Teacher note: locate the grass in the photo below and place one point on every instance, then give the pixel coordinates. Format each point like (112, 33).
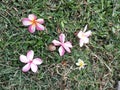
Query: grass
(102, 55)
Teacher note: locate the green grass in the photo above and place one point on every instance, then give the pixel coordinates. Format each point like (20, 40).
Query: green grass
(102, 55)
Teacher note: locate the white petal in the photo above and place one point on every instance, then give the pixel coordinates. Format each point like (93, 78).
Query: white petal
(88, 33)
(37, 61)
(77, 64)
(81, 42)
(61, 51)
(80, 61)
(34, 67)
(32, 17)
(79, 35)
(80, 68)
(85, 28)
(86, 40)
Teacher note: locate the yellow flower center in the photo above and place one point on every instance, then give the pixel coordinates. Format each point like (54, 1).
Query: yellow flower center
(81, 64)
(83, 35)
(34, 22)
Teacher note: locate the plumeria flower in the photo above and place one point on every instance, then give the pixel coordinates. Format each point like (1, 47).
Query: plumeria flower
(33, 23)
(83, 36)
(30, 62)
(80, 64)
(64, 46)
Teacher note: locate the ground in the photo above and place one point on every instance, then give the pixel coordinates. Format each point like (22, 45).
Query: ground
(102, 54)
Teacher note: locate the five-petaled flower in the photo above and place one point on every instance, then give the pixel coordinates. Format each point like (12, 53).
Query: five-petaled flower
(80, 63)
(63, 45)
(31, 63)
(33, 23)
(83, 36)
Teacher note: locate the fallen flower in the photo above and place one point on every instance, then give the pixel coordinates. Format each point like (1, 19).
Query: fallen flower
(33, 23)
(83, 36)
(31, 63)
(63, 45)
(80, 63)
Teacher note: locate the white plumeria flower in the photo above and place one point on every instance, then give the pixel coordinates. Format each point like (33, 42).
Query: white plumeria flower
(83, 36)
(80, 64)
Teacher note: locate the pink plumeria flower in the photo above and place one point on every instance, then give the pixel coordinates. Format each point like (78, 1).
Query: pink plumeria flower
(30, 62)
(84, 36)
(63, 45)
(33, 23)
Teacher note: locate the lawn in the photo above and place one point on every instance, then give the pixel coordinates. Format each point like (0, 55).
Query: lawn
(102, 54)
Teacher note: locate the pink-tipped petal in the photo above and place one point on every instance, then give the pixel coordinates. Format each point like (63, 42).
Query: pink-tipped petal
(41, 21)
(31, 28)
(34, 67)
(67, 49)
(23, 59)
(88, 33)
(61, 51)
(62, 38)
(68, 44)
(26, 22)
(37, 61)
(32, 17)
(40, 27)
(30, 55)
(26, 67)
(81, 42)
(56, 43)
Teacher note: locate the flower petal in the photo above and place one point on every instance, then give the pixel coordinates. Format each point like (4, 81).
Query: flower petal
(32, 28)
(67, 48)
(32, 17)
(23, 59)
(81, 42)
(26, 22)
(80, 68)
(37, 61)
(79, 60)
(77, 64)
(88, 33)
(62, 38)
(85, 28)
(86, 40)
(30, 55)
(26, 67)
(61, 51)
(34, 67)
(68, 44)
(79, 35)
(41, 21)
(40, 27)
(56, 43)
